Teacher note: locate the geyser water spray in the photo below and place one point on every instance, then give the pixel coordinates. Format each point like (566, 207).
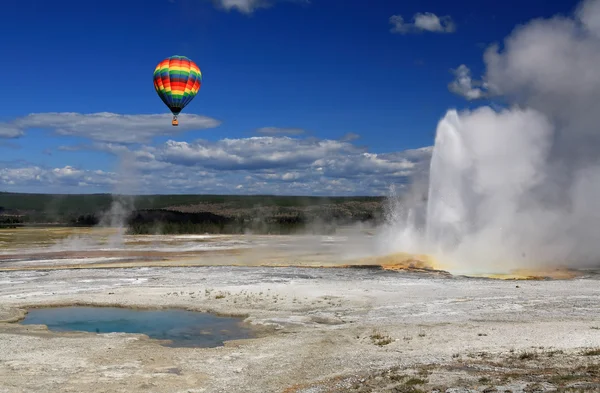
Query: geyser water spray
(517, 187)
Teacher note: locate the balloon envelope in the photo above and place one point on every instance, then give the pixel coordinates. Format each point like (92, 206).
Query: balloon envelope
(177, 80)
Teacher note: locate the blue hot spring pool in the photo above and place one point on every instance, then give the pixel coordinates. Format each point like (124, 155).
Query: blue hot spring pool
(182, 328)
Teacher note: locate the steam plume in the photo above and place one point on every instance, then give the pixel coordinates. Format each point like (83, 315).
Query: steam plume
(520, 187)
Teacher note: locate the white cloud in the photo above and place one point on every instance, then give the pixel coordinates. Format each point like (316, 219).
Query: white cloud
(243, 6)
(281, 165)
(249, 6)
(285, 164)
(425, 21)
(10, 131)
(251, 153)
(431, 22)
(349, 166)
(107, 127)
(280, 131)
(350, 136)
(44, 178)
(274, 163)
(466, 86)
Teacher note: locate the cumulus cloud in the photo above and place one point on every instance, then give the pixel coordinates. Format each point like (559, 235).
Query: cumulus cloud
(425, 21)
(464, 85)
(69, 179)
(350, 136)
(10, 131)
(251, 153)
(280, 131)
(295, 161)
(281, 164)
(249, 6)
(107, 127)
(366, 163)
(243, 6)
(56, 177)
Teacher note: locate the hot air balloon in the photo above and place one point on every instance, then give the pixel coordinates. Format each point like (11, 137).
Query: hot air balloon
(177, 80)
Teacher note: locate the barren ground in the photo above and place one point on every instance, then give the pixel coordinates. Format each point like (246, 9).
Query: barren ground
(318, 329)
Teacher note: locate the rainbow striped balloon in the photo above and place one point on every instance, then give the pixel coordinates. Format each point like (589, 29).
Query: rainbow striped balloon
(177, 80)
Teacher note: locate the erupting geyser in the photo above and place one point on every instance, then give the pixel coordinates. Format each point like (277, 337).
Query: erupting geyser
(518, 187)
(483, 175)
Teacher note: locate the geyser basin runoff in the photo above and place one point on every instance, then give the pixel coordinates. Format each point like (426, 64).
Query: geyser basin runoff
(182, 328)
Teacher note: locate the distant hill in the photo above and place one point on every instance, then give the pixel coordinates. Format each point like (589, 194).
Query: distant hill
(89, 209)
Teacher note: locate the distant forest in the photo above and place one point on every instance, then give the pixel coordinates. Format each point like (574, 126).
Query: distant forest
(149, 214)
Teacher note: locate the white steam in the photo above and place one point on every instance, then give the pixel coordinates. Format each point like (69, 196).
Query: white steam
(520, 187)
(121, 206)
(123, 199)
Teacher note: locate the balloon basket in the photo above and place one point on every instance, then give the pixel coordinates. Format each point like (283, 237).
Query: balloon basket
(175, 122)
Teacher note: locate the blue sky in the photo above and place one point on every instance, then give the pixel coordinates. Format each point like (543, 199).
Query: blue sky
(344, 95)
